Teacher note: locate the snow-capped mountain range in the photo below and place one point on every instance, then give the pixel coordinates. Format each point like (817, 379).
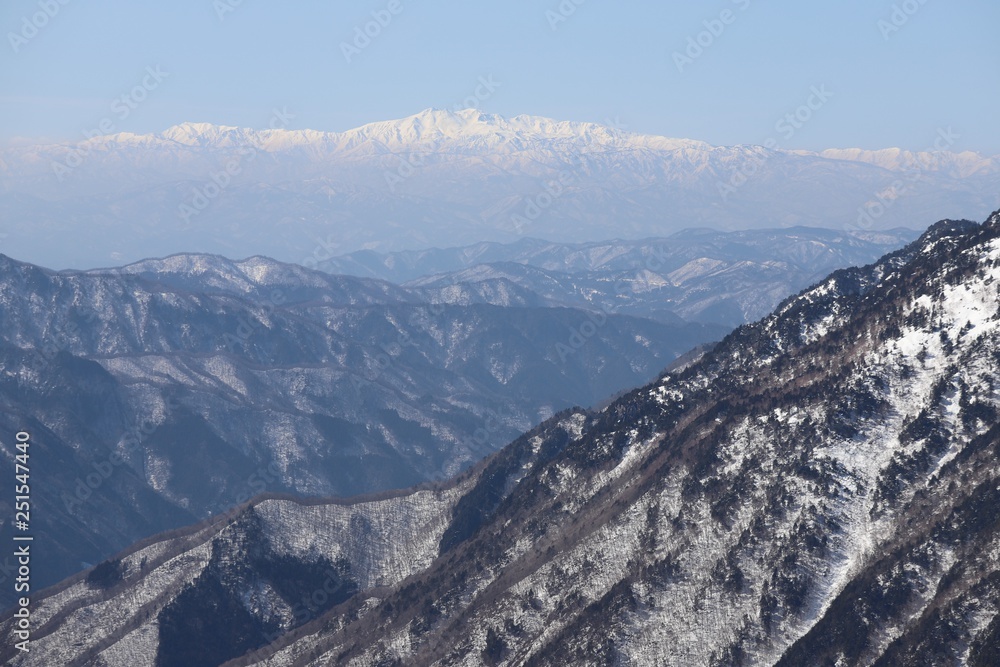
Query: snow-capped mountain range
(472, 132)
(820, 488)
(441, 178)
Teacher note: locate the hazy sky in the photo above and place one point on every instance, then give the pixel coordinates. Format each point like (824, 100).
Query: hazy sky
(892, 73)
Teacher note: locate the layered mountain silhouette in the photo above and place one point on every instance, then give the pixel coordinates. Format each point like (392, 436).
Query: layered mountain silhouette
(170, 390)
(701, 275)
(820, 488)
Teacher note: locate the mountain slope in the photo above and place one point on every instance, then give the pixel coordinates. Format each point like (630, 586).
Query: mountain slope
(727, 278)
(820, 488)
(442, 178)
(824, 250)
(170, 390)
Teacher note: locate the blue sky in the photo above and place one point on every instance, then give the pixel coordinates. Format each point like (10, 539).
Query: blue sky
(932, 65)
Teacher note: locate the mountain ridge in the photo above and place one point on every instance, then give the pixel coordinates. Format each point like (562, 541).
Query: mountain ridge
(443, 178)
(818, 488)
(206, 379)
(437, 124)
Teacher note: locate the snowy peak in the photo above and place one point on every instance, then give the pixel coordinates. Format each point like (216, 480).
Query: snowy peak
(427, 129)
(472, 128)
(433, 125)
(477, 176)
(204, 134)
(258, 276)
(994, 221)
(964, 164)
(522, 143)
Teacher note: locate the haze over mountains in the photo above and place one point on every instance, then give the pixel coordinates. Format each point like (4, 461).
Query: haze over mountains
(442, 178)
(820, 488)
(700, 275)
(215, 379)
(422, 310)
(166, 390)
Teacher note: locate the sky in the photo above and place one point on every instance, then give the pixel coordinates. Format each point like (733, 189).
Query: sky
(862, 73)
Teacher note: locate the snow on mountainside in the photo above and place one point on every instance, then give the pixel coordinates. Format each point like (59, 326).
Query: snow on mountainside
(961, 164)
(473, 130)
(283, 378)
(723, 277)
(431, 129)
(440, 178)
(820, 488)
(823, 249)
(168, 390)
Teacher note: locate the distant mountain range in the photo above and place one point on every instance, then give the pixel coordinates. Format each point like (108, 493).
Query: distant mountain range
(718, 277)
(820, 488)
(442, 178)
